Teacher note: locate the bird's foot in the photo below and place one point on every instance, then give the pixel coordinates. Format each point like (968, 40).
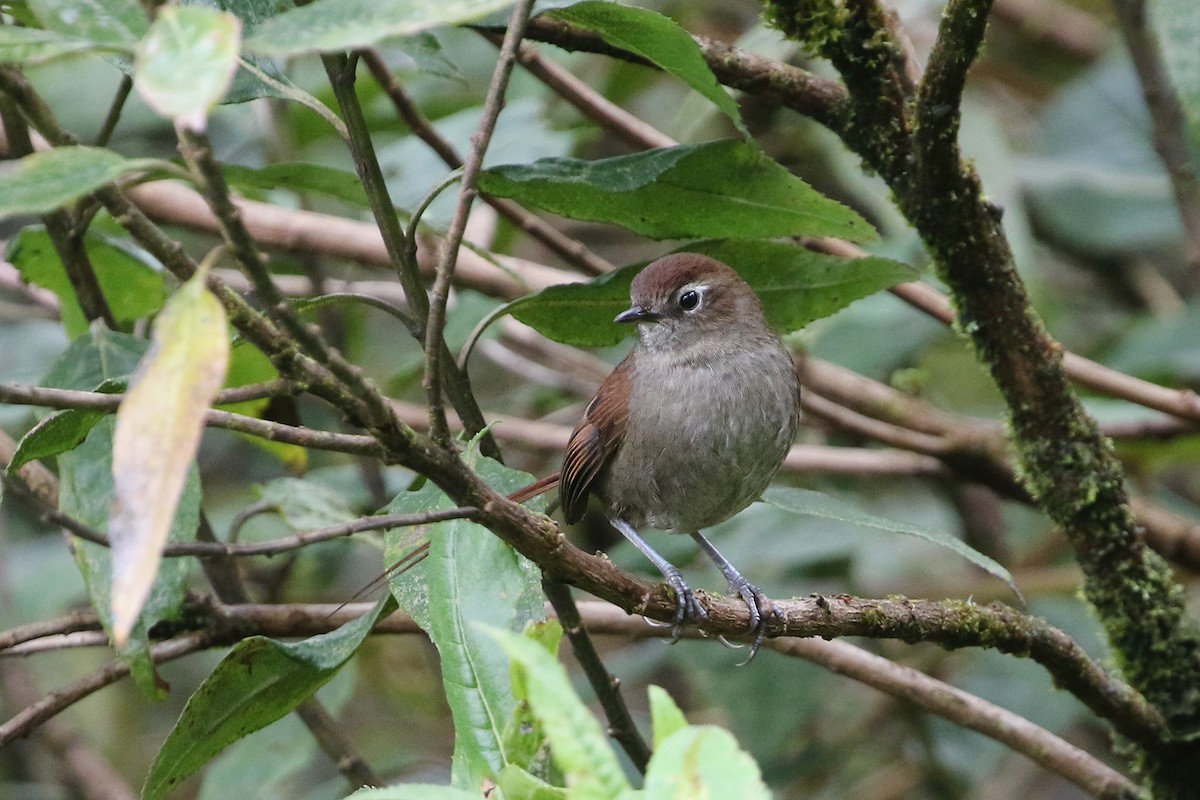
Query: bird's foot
(688, 611)
(762, 612)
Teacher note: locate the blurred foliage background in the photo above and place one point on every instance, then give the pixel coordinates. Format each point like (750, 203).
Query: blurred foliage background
(1055, 123)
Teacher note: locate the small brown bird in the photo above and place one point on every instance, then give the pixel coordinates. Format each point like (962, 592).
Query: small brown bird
(692, 426)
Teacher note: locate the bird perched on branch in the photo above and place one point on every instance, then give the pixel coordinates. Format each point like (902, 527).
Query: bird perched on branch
(692, 426)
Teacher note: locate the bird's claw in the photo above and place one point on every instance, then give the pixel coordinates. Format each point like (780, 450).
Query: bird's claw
(688, 609)
(762, 613)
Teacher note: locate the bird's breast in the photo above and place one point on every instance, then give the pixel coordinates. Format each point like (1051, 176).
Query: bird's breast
(704, 438)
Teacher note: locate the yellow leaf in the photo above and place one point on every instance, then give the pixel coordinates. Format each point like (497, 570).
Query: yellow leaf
(158, 432)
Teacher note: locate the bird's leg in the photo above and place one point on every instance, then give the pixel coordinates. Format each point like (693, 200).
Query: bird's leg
(761, 608)
(689, 608)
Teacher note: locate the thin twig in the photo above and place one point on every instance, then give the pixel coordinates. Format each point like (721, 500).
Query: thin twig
(594, 106)
(823, 99)
(215, 549)
(473, 165)
(30, 717)
(310, 438)
(967, 710)
(114, 111)
(574, 251)
(334, 741)
(341, 72)
(198, 153)
(68, 623)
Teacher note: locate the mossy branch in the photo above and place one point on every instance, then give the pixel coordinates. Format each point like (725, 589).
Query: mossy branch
(1067, 465)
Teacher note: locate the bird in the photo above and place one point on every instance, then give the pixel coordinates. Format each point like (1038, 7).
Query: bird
(691, 427)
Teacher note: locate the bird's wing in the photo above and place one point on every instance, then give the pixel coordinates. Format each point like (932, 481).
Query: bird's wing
(594, 441)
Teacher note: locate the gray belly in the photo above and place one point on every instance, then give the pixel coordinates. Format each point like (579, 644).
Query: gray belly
(699, 456)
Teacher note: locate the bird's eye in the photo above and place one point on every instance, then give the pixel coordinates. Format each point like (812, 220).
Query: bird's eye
(689, 300)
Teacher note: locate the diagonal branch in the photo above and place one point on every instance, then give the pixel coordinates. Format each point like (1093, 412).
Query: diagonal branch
(341, 73)
(493, 103)
(607, 687)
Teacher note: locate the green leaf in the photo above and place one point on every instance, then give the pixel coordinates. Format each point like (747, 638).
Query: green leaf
(158, 431)
(344, 24)
(469, 576)
(580, 314)
(132, 287)
(186, 63)
(91, 360)
(524, 741)
(815, 504)
(57, 433)
(517, 783)
(34, 46)
(301, 177)
(720, 189)
(414, 791)
(577, 742)
(665, 714)
(1177, 24)
(273, 763)
(62, 431)
(656, 38)
(796, 286)
(113, 23)
(258, 682)
(703, 761)
(107, 358)
(44, 181)
(1106, 193)
(306, 505)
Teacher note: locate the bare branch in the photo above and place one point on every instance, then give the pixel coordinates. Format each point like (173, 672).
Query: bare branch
(468, 189)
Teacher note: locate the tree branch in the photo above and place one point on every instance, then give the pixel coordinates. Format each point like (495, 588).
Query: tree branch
(341, 73)
(436, 323)
(601, 618)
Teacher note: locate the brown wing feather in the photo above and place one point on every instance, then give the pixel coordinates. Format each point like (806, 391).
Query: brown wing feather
(594, 442)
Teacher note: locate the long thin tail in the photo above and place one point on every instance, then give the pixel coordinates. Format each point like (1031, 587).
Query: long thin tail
(540, 486)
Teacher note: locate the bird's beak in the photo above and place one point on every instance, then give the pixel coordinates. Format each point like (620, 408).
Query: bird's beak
(637, 314)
